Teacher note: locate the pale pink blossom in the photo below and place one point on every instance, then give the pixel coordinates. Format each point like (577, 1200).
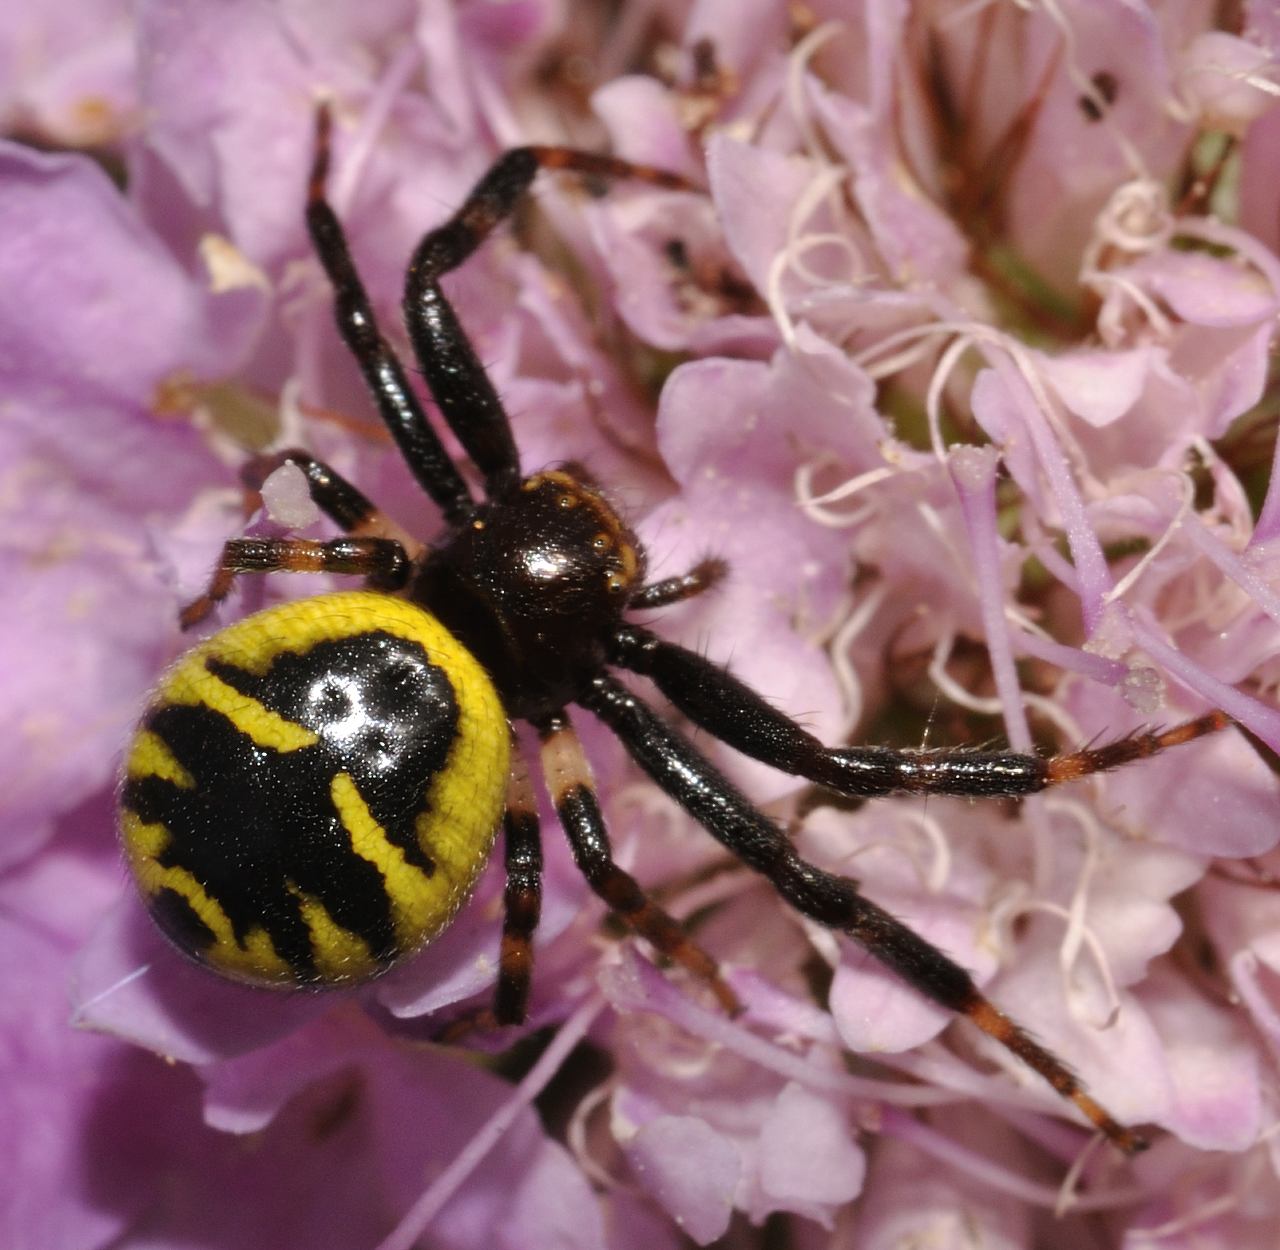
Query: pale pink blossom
(962, 356)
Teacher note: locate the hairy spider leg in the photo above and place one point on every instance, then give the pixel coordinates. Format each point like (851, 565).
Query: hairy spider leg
(457, 380)
(381, 560)
(717, 701)
(344, 504)
(703, 576)
(572, 792)
(522, 897)
(712, 800)
(383, 373)
(467, 398)
(1134, 746)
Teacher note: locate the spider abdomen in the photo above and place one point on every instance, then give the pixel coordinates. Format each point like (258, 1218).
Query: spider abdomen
(313, 791)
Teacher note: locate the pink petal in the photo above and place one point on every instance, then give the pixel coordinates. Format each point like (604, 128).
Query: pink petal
(1213, 1061)
(808, 1159)
(756, 191)
(132, 984)
(1099, 387)
(1126, 1064)
(690, 1169)
(1226, 77)
(1205, 290)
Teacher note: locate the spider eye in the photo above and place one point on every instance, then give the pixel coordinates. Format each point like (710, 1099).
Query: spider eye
(600, 544)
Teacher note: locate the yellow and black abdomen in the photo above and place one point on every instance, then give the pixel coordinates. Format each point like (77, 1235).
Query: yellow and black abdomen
(313, 792)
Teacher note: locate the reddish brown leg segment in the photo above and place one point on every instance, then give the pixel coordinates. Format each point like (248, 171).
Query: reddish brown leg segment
(523, 896)
(829, 899)
(568, 778)
(381, 559)
(1136, 746)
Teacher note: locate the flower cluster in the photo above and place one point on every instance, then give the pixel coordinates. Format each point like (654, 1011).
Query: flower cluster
(965, 363)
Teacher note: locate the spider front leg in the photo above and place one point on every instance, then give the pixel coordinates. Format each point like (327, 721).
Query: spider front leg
(381, 560)
(467, 398)
(569, 783)
(718, 702)
(344, 504)
(833, 901)
(383, 373)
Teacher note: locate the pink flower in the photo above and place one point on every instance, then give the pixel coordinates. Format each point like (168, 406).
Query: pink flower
(963, 361)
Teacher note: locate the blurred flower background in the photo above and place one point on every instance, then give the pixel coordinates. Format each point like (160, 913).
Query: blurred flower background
(965, 361)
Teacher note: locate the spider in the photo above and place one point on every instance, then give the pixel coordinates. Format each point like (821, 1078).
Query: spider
(314, 790)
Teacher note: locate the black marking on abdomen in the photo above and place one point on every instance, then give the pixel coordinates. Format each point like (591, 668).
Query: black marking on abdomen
(258, 820)
(175, 915)
(255, 822)
(384, 712)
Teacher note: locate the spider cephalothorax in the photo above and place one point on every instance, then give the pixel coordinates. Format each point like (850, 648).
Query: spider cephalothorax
(535, 584)
(314, 790)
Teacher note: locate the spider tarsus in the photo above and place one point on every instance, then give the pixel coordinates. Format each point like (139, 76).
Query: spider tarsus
(1136, 746)
(200, 608)
(194, 612)
(320, 159)
(725, 996)
(709, 571)
(1124, 1139)
(598, 165)
(690, 956)
(992, 1021)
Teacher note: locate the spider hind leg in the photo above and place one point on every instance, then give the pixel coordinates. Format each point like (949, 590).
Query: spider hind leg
(568, 778)
(709, 798)
(717, 701)
(1135, 746)
(522, 897)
